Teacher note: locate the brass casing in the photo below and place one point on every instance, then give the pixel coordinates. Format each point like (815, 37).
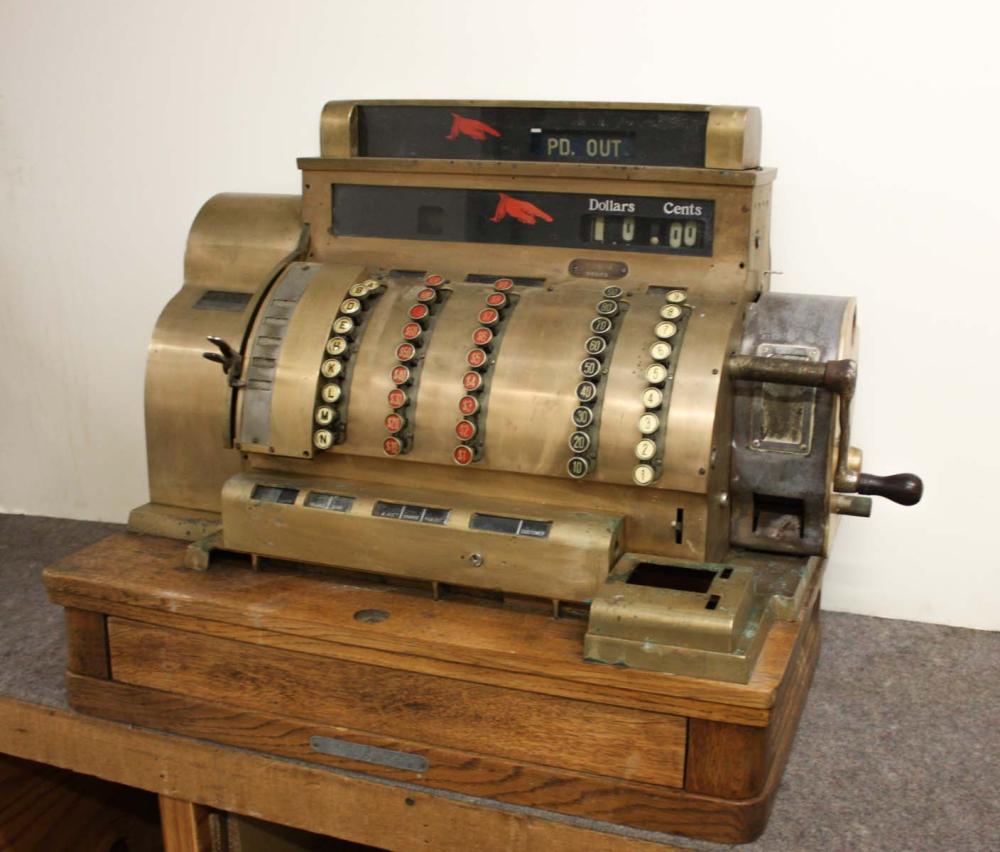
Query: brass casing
(570, 564)
(213, 438)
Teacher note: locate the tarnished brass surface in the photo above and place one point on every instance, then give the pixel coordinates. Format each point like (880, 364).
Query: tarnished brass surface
(238, 243)
(673, 630)
(730, 465)
(570, 564)
(733, 138)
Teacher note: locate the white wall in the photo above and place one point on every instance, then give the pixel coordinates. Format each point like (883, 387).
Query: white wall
(118, 119)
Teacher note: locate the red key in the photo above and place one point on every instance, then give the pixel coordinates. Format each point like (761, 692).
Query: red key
(503, 284)
(468, 405)
(466, 430)
(406, 351)
(392, 446)
(489, 316)
(419, 312)
(482, 337)
(428, 294)
(472, 381)
(395, 423)
(463, 455)
(412, 331)
(476, 358)
(400, 374)
(434, 280)
(496, 300)
(397, 398)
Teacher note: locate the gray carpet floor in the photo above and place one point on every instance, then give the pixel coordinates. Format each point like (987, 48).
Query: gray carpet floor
(898, 749)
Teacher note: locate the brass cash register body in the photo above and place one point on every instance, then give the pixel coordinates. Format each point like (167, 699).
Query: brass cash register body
(527, 349)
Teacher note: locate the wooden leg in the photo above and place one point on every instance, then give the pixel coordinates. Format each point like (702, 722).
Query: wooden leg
(185, 826)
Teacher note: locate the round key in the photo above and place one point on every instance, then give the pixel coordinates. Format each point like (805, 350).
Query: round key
(427, 295)
(643, 474)
(595, 345)
(468, 405)
(331, 392)
(359, 290)
(652, 398)
(397, 398)
(489, 316)
(434, 280)
(406, 352)
(649, 423)
(579, 442)
(669, 312)
(412, 331)
(586, 392)
(661, 350)
(336, 346)
(656, 374)
(578, 467)
(496, 300)
(600, 325)
(400, 374)
(582, 417)
(590, 367)
(613, 292)
(472, 381)
(322, 439)
(395, 423)
(343, 325)
(665, 330)
(645, 450)
(325, 415)
(482, 336)
(392, 446)
(350, 307)
(476, 358)
(419, 311)
(676, 296)
(607, 307)
(332, 367)
(463, 455)
(503, 284)
(465, 429)
(372, 284)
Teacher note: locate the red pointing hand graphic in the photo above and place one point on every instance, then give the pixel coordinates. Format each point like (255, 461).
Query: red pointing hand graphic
(461, 126)
(524, 211)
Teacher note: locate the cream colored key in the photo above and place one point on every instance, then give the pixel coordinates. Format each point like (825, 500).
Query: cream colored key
(323, 439)
(343, 325)
(665, 330)
(669, 312)
(336, 345)
(661, 350)
(331, 392)
(643, 474)
(656, 374)
(649, 423)
(652, 398)
(332, 367)
(645, 450)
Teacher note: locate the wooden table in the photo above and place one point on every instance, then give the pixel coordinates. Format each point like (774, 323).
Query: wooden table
(192, 776)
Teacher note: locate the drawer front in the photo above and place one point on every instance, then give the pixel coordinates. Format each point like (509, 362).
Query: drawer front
(616, 742)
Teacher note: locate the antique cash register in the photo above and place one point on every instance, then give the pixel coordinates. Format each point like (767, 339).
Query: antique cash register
(497, 465)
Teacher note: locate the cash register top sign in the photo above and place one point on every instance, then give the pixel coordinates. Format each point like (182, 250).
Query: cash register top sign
(717, 137)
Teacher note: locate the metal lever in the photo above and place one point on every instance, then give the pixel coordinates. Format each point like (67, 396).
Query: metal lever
(839, 377)
(230, 359)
